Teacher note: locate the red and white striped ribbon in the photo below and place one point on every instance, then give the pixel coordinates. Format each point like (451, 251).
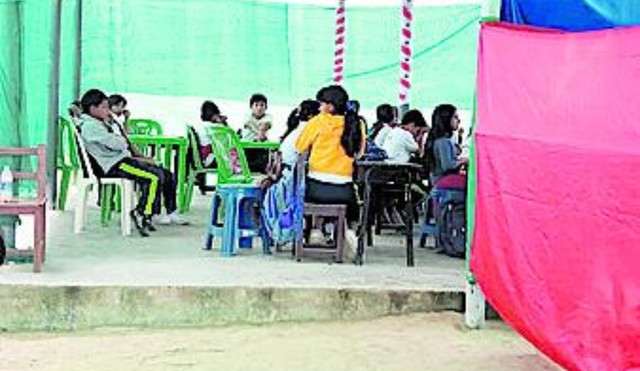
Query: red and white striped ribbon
(338, 61)
(406, 17)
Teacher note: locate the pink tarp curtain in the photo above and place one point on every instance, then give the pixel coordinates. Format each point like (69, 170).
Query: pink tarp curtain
(556, 246)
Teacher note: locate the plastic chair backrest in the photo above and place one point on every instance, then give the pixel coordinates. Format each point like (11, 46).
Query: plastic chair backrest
(67, 154)
(144, 127)
(84, 156)
(194, 147)
(225, 143)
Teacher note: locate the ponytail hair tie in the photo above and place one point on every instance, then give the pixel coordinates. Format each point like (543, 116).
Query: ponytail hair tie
(351, 106)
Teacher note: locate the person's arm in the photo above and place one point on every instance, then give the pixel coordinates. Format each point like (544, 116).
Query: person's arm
(409, 143)
(308, 136)
(445, 154)
(98, 133)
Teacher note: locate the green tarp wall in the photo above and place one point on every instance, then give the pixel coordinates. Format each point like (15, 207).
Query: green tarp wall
(226, 50)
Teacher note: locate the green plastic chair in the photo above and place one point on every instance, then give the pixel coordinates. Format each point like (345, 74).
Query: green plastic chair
(66, 159)
(197, 167)
(144, 127)
(224, 140)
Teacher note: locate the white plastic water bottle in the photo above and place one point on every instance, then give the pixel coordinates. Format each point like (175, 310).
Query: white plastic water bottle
(6, 184)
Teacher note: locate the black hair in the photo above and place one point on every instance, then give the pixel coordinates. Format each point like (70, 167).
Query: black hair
(305, 112)
(414, 116)
(351, 138)
(116, 99)
(208, 110)
(92, 98)
(440, 128)
(385, 113)
(257, 98)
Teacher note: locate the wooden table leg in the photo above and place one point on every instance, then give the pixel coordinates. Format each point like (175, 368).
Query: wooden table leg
(364, 219)
(409, 222)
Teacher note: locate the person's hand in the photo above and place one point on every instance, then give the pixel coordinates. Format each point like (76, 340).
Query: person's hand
(126, 114)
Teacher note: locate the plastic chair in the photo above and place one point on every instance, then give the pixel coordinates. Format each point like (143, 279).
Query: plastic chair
(197, 168)
(144, 127)
(86, 183)
(66, 159)
(235, 190)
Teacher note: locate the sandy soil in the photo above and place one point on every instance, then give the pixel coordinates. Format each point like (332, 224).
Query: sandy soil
(422, 342)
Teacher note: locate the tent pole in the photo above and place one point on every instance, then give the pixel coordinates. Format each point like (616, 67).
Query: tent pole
(54, 75)
(474, 298)
(77, 73)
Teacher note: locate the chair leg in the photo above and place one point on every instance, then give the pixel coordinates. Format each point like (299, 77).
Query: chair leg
(105, 204)
(38, 240)
(215, 206)
(81, 208)
(340, 237)
(126, 200)
(228, 234)
(189, 191)
(64, 188)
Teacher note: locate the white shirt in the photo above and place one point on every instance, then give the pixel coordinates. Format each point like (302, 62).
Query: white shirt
(382, 136)
(288, 146)
(399, 145)
(201, 130)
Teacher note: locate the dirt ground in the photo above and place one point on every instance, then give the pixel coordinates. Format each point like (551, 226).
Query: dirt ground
(436, 342)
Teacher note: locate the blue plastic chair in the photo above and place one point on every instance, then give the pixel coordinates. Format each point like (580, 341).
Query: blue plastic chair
(233, 192)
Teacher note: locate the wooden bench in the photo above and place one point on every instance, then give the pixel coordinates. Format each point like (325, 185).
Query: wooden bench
(313, 213)
(35, 206)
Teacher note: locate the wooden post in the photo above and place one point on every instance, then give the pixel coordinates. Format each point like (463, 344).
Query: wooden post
(54, 100)
(77, 71)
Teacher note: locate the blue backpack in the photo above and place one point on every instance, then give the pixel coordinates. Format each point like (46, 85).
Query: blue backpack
(283, 207)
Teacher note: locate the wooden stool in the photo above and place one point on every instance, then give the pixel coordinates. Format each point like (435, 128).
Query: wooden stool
(317, 211)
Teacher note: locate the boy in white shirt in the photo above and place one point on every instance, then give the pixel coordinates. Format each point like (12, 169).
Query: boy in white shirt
(405, 140)
(259, 122)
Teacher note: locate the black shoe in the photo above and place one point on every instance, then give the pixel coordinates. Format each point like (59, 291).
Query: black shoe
(138, 221)
(147, 223)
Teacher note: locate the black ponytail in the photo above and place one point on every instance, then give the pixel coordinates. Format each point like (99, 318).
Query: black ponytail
(351, 139)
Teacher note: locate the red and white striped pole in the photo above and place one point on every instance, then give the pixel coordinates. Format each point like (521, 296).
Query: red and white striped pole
(406, 18)
(338, 60)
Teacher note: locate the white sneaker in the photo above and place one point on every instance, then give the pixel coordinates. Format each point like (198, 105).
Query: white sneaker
(172, 218)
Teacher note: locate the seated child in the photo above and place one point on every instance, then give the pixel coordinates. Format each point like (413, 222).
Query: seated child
(386, 119)
(210, 116)
(403, 141)
(259, 122)
(111, 157)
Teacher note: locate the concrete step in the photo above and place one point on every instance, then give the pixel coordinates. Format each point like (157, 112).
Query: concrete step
(68, 308)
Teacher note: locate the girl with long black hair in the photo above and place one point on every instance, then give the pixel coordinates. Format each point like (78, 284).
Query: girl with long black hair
(335, 139)
(440, 149)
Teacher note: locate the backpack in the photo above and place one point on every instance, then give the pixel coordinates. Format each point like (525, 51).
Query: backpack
(451, 223)
(374, 153)
(283, 207)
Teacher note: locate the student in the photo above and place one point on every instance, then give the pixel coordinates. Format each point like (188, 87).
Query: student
(335, 138)
(117, 105)
(111, 157)
(403, 141)
(258, 122)
(297, 121)
(440, 149)
(210, 116)
(75, 110)
(386, 116)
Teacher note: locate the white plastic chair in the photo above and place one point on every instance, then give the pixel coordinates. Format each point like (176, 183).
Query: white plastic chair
(86, 183)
